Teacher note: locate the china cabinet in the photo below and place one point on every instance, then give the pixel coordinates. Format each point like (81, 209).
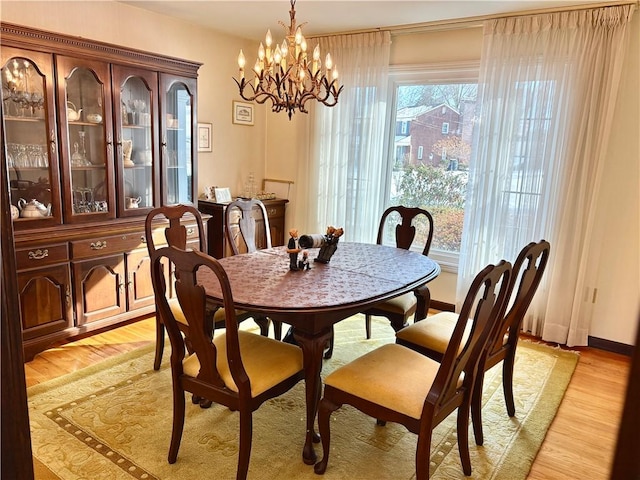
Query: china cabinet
(94, 136)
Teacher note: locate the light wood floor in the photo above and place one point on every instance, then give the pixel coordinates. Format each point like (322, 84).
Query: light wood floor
(579, 444)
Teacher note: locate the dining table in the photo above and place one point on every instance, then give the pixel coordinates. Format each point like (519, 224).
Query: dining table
(358, 276)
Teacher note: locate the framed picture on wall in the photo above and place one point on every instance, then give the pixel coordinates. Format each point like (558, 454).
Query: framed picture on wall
(205, 137)
(242, 113)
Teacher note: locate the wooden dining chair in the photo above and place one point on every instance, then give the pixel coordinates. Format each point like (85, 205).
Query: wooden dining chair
(242, 229)
(432, 335)
(406, 222)
(231, 367)
(424, 392)
(174, 233)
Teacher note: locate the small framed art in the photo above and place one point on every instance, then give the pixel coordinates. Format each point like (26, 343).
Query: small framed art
(242, 113)
(205, 137)
(222, 194)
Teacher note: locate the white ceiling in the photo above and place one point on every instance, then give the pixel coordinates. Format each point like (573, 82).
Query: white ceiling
(251, 18)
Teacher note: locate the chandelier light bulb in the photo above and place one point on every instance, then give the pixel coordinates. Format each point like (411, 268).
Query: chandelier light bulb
(328, 62)
(268, 39)
(277, 55)
(241, 60)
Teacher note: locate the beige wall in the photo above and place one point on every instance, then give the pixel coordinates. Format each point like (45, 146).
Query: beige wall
(278, 148)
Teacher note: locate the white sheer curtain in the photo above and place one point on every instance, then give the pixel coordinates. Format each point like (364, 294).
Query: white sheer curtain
(547, 91)
(347, 158)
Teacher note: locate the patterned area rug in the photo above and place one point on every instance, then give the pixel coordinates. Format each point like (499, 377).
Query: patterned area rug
(113, 421)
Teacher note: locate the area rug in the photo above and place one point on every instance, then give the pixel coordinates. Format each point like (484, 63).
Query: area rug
(113, 421)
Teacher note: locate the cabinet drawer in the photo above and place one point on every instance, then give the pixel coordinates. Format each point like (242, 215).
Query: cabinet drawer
(274, 211)
(160, 240)
(40, 256)
(101, 246)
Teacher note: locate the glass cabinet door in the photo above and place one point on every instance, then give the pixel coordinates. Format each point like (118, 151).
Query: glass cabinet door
(87, 139)
(178, 139)
(136, 137)
(30, 138)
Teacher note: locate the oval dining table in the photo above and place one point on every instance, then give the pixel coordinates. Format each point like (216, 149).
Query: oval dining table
(358, 276)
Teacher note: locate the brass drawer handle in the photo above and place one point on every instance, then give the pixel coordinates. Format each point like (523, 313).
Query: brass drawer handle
(38, 254)
(271, 211)
(98, 245)
(191, 231)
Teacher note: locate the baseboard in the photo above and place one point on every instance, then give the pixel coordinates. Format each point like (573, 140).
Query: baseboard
(442, 306)
(610, 346)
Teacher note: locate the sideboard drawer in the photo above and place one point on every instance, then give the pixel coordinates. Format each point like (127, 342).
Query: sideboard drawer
(100, 246)
(275, 211)
(39, 256)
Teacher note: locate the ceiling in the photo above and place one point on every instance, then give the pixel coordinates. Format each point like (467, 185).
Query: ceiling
(251, 18)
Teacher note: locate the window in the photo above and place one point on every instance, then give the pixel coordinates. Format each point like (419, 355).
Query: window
(435, 175)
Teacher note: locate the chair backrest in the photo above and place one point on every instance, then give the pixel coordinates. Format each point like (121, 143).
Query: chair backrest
(536, 256)
(405, 231)
(193, 302)
(245, 228)
(175, 232)
(484, 304)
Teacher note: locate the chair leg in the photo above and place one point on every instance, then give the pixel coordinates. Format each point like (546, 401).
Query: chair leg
(507, 382)
(476, 408)
(325, 409)
(423, 451)
(463, 437)
(244, 454)
(159, 344)
(329, 352)
(367, 325)
(277, 329)
(178, 422)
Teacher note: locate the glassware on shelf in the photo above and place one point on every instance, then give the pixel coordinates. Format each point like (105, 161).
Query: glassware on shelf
(21, 89)
(79, 155)
(250, 186)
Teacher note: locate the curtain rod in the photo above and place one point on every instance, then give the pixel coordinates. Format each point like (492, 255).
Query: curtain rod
(471, 22)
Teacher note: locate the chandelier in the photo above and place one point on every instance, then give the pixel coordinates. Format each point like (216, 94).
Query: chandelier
(285, 76)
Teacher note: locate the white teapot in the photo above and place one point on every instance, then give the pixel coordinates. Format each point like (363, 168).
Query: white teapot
(73, 114)
(33, 208)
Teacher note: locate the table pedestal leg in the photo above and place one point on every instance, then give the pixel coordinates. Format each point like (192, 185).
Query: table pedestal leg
(312, 349)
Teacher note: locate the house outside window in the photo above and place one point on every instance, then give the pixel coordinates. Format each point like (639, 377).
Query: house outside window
(438, 104)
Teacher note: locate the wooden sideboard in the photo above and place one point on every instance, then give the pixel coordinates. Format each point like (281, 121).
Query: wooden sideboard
(216, 237)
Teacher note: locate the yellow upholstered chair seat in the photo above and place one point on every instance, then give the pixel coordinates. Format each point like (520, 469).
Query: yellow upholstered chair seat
(403, 303)
(376, 377)
(434, 332)
(284, 361)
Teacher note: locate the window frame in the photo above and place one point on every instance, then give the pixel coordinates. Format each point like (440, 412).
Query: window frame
(428, 73)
